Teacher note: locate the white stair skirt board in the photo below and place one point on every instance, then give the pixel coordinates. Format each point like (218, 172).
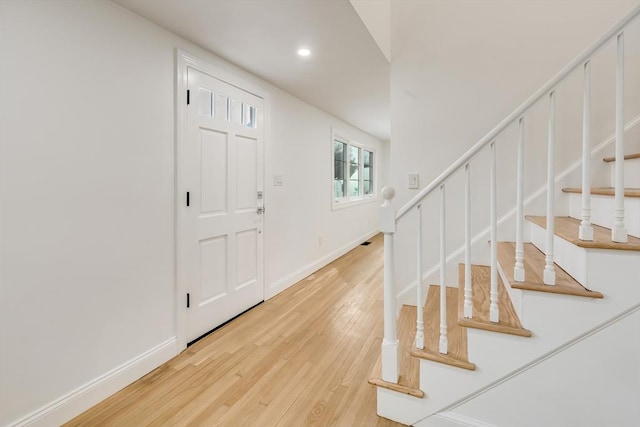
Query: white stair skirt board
(575, 380)
(602, 211)
(79, 400)
(631, 173)
(452, 419)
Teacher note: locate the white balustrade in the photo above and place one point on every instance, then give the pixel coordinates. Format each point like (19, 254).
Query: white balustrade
(419, 296)
(493, 303)
(468, 291)
(390, 339)
(549, 274)
(619, 231)
(518, 268)
(389, 217)
(585, 231)
(444, 342)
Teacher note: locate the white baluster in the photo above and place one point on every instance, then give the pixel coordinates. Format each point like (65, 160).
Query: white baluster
(619, 231)
(518, 268)
(390, 339)
(468, 292)
(585, 232)
(493, 303)
(549, 274)
(444, 344)
(419, 297)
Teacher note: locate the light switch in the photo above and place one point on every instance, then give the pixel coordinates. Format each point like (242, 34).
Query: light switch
(278, 180)
(414, 181)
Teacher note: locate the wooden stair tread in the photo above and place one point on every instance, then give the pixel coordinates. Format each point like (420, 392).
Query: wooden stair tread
(605, 191)
(626, 157)
(567, 228)
(534, 262)
(409, 367)
(481, 284)
(456, 335)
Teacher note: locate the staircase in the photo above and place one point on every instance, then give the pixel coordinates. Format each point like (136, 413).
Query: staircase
(522, 304)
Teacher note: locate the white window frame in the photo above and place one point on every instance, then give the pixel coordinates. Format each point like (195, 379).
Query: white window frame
(347, 200)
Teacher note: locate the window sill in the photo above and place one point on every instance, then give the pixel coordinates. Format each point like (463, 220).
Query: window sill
(337, 205)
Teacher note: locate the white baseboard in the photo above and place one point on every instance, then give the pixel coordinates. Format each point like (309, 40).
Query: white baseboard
(291, 279)
(84, 397)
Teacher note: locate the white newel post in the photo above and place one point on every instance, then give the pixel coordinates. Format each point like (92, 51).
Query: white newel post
(619, 231)
(585, 232)
(390, 339)
(549, 274)
(518, 268)
(419, 296)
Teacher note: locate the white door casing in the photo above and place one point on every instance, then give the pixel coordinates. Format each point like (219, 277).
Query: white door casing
(220, 232)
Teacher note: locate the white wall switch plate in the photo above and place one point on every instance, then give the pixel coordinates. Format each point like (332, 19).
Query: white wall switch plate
(278, 180)
(414, 181)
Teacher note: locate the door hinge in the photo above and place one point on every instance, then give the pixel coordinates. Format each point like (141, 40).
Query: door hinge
(188, 96)
(188, 300)
(187, 198)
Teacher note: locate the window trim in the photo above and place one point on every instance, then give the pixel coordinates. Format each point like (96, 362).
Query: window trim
(347, 201)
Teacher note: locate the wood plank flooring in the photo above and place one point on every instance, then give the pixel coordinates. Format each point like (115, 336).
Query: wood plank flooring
(302, 358)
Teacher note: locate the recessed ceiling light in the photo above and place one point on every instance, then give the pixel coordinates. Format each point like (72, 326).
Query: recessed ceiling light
(304, 52)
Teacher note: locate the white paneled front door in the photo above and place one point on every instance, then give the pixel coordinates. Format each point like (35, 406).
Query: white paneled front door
(222, 172)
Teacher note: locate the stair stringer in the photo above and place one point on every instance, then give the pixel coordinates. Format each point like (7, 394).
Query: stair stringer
(598, 389)
(498, 355)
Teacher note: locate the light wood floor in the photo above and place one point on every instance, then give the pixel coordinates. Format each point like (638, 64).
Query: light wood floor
(300, 359)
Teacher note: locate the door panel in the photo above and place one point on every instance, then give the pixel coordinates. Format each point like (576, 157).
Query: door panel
(222, 170)
(213, 268)
(214, 171)
(247, 159)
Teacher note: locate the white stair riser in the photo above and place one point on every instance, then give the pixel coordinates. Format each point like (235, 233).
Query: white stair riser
(570, 257)
(602, 211)
(631, 173)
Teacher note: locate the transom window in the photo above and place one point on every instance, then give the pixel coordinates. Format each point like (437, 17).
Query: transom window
(232, 110)
(353, 171)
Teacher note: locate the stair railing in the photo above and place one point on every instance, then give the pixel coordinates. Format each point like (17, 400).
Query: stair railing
(389, 218)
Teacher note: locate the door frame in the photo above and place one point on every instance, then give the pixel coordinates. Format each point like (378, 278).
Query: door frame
(183, 61)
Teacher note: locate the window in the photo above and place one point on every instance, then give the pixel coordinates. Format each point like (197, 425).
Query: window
(353, 172)
(232, 110)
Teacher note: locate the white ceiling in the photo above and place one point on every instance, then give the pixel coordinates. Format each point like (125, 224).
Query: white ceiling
(346, 75)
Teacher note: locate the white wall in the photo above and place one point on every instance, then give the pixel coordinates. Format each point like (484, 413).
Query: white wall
(87, 199)
(459, 67)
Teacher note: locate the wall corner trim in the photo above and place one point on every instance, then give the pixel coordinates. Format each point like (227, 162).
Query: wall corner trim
(82, 398)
